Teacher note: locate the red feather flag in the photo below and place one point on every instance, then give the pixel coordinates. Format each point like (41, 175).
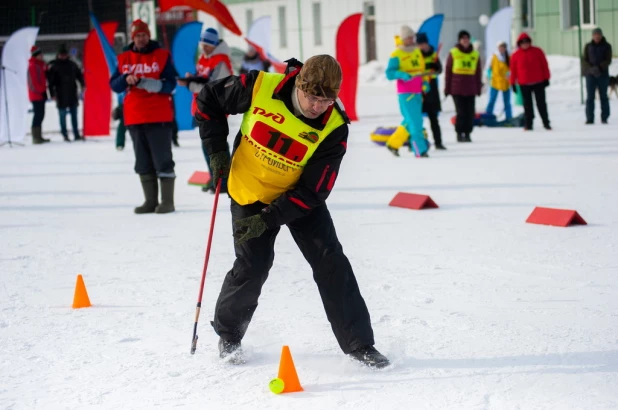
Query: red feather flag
(98, 95)
(213, 7)
(349, 59)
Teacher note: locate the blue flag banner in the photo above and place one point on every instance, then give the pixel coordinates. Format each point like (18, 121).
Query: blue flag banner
(184, 51)
(432, 27)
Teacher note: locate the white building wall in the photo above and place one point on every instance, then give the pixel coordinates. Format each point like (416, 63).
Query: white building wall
(390, 15)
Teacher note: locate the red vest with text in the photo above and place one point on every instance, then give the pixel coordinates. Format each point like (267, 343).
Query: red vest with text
(140, 106)
(205, 66)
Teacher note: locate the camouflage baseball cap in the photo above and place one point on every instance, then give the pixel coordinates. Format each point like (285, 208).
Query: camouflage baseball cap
(320, 76)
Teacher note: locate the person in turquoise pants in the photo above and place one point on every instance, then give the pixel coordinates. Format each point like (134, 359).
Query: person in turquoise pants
(407, 66)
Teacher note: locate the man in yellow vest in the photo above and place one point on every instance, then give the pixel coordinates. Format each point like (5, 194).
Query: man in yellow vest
(431, 98)
(285, 161)
(463, 82)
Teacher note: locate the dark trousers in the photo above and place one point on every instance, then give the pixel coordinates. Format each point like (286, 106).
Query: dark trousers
(435, 126)
(539, 95)
(120, 132)
(63, 120)
(464, 105)
(152, 143)
(38, 108)
(600, 83)
(317, 240)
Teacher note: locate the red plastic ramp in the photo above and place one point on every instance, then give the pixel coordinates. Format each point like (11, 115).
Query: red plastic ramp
(555, 217)
(412, 201)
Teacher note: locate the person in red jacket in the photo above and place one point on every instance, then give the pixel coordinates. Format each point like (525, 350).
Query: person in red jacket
(37, 92)
(463, 82)
(145, 71)
(529, 70)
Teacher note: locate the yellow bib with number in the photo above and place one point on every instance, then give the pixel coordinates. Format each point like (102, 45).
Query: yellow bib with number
(412, 62)
(274, 147)
(464, 63)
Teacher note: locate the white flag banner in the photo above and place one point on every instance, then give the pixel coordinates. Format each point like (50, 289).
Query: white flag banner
(259, 33)
(498, 29)
(14, 102)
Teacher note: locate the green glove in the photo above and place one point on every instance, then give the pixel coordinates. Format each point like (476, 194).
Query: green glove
(220, 166)
(248, 228)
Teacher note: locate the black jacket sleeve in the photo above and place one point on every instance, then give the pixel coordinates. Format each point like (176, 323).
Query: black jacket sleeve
(315, 184)
(607, 60)
(230, 95)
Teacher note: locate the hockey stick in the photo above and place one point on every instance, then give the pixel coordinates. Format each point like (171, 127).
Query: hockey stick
(199, 298)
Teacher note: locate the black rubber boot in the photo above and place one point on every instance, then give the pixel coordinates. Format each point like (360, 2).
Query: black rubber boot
(37, 136)
(151, 194)
(167, 196)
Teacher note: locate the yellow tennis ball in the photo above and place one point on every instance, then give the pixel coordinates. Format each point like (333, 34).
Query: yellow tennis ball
(276, 385)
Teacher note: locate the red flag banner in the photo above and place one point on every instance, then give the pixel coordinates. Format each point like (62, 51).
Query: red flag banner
(213, 7)
(349, 59)
(98, 95)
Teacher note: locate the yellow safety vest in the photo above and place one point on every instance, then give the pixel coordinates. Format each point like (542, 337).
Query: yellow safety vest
(430, 59)
(464, 63)
(411, 62)
(274, 146)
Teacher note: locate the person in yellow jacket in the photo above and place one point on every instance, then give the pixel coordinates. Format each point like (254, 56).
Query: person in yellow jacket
(499, 73)
(284, 164)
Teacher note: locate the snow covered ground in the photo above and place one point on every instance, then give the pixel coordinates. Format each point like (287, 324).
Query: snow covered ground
(476, 308)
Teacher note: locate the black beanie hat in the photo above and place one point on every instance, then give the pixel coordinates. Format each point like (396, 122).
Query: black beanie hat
(463, 33)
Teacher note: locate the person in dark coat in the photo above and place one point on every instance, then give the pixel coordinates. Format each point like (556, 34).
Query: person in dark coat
(595, 67)
(431, 98)
(463, 82)
(63, 76)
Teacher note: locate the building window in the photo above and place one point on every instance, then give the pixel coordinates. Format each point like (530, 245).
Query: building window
(527, 15)
(283, 29)
(317, 24)
(249, 18)
(576, 12)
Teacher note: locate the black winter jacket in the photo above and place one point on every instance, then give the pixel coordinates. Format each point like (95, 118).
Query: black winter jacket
(62, 79)
(597, 55)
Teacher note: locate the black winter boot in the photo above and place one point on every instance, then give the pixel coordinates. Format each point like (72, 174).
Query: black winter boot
(151, 194)
(167, 196)
(231, 352)
(370, 357)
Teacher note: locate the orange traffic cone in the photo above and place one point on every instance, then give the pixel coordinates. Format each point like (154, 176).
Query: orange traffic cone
(287, 372)
(80, 299)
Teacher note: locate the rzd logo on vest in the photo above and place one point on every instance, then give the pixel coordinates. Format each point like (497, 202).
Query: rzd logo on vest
(276, 117)
(140, 68)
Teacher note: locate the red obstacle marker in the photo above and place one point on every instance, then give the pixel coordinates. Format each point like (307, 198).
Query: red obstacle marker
(555, 217)
(412, 201)
(199, 178)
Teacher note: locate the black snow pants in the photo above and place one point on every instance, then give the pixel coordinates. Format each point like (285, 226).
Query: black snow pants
(316, 238)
